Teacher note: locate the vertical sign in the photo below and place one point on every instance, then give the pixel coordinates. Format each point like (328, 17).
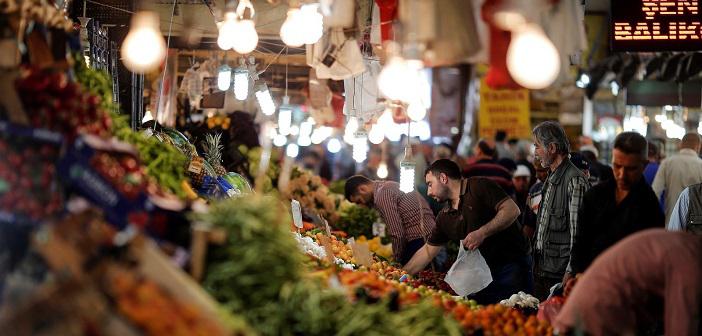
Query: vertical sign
(506, 110)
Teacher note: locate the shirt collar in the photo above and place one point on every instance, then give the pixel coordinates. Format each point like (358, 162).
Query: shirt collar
(687, 151)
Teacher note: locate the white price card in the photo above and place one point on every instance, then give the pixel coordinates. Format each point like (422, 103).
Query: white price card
(296, 213)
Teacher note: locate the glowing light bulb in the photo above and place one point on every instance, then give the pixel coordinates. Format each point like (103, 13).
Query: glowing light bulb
(407, 176)
(376, 135)
(661, 118)
(246, 37)
(280, 140)
(224, 78)
(305, 128)
(312, 23)
(416, 111)
(241, 83)
(290, 32)
(393, 78)
(320, 134)
(360, 146)
(333, 146)
(292, 150)
(227, 31)
(143, 49)
(265, 100)
(304, 141)
(284, 120)
(422, 130)
(615, 88)
(382, 170)
(351, 127)
(532, 59)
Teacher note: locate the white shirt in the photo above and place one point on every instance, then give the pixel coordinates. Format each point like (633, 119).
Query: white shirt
(675, 174)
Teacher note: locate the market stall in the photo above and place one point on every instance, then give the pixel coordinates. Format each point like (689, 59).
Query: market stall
(201, 221)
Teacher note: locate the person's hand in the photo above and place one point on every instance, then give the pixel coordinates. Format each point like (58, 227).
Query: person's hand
(474, 239)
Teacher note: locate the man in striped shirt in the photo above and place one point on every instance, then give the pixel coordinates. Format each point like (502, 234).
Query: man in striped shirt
(407, 216)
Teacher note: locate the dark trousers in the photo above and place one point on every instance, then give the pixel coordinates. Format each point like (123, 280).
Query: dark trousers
(543, 282)
(508, 279)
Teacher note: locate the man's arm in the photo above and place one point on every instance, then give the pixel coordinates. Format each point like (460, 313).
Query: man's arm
(387, 206)
(679, 214)
(507, 213)
(658, 184)
(576, 188)
(421, 258)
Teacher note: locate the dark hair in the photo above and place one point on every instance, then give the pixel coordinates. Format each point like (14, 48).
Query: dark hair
(653, 149)
(579, 161)
(500, 135)
(632, 143)
(508, 163)
(550, 132)
(445, 166)
(352, 184)
(486, 148)
(513, 141)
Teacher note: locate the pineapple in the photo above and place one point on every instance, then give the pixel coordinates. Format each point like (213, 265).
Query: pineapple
(213, 153)
(196, 171)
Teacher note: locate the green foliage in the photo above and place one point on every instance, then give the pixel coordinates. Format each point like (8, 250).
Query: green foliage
(356, 220)
(337, 186)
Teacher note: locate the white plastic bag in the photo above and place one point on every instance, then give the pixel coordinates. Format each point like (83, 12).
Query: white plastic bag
(470, 273)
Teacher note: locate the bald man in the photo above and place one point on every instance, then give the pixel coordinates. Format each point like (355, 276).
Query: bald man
(679, 171)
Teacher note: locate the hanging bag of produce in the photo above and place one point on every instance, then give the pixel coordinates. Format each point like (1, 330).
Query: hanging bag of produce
(469, 274)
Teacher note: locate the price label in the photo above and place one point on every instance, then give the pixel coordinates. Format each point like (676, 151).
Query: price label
(362, 254)
(195, 166)
(379, 229)
(326, 225)
(296, 213)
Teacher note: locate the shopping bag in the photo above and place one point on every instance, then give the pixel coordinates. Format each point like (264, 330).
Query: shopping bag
(469, 274)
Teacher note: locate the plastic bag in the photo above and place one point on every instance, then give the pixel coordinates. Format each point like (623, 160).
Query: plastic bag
(469, 274)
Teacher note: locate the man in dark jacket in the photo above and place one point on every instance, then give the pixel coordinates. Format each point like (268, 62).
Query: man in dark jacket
(557, 220)
(617, 208)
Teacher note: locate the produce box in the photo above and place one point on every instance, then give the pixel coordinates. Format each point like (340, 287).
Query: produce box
(108, 174)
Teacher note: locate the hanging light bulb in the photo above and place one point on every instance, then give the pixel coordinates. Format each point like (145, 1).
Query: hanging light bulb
(385, 121)
(284, 120)
(224, 78)
(290, 33)
(393, 78)
(334, 146)
(143, 49)
(423, 130)
(241, 81)
(320, 134)
(264, 98)
(532, 59)
(360, 146)
(407, 176)
(227, 31)
(351, 127)
(376, 135)
(382, 171)
(614, 86)
(313, 23)
(280, 140)
(416, 111)
(292, 150)
(246, 36)
(304, 141)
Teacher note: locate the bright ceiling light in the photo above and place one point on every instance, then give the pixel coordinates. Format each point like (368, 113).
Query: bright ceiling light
(334, 145)
(532, 59)
(143, 49)
(265, 100)
(224, 78)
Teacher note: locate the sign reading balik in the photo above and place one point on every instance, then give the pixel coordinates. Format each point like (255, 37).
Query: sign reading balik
(656, 25)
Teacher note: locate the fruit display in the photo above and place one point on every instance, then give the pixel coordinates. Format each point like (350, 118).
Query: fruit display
(122, 171)
(432, 279)
(213, 154)
(239, 182)
(340, 249)
(53, 102)
(501, 320)
(149, 307)
(376, 246)
(309, 247)
(313, 195)
(270, 178)
(27, 178)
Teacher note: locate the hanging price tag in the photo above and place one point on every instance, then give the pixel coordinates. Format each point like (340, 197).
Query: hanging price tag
(326, 243)
(379, 229)
(362, 254)
(326, 225)
(296, 213)
(195, 166)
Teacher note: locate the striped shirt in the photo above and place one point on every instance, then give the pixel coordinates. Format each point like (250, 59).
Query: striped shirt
(401, 214)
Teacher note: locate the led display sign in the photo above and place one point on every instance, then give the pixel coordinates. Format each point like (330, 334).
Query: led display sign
(655, 25)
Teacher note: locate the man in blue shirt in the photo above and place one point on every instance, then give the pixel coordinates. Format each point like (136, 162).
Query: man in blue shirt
(687, 213)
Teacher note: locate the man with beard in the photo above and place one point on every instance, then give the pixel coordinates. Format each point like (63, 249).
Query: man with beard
(407, 216)
(557, 219)
(482, 216)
